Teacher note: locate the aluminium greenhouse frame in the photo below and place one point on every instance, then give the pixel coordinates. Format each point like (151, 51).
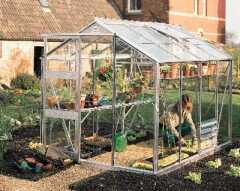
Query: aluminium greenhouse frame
(114, 35)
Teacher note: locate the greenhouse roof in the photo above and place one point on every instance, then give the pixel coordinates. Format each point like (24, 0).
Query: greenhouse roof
(159, 41)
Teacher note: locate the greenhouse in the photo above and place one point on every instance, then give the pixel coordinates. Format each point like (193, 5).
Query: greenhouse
(116, 94)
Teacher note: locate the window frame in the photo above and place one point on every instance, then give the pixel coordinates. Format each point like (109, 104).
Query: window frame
(134, 10)
(196, 7)
(204, 7)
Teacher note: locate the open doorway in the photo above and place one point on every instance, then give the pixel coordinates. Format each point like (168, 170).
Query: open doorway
(38, 53)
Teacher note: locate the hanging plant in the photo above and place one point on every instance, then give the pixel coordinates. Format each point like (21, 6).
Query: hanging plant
(104, 73)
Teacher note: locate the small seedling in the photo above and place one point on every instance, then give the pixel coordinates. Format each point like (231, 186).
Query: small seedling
(234, 171)
(214, 164)
(234, 153)
(37, 146)
(195, 177)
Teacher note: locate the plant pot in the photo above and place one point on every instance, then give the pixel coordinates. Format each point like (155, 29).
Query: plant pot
(52, 101)
(69, 105)
(186, 71)
(94, 100)
(211, 69)
(174, 71)
(205, 70)
(147, 75)
(192, 73)
(82, 101)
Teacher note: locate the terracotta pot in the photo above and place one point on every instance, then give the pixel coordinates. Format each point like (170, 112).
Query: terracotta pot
(174, 71)
(186, 71)
(95, 100)
(69, 105)
(52, 101)
(147, 75)
(82, 101)
(192, 73)
(205, 70)
(211, 69)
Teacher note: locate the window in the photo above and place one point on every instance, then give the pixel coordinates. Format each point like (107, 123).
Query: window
(38, 53)
(196, 7)
(134, 5)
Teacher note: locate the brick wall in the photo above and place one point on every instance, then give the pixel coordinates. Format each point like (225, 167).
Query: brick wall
(209, 24)
(152, 10)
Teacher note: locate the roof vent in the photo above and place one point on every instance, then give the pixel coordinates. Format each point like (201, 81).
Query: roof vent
(44, 3)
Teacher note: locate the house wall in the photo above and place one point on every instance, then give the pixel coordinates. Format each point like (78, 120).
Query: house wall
(209, 25)
(16, 57)
(152, 10)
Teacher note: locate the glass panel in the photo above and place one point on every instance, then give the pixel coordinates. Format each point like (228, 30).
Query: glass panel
(223, 101)
(135, 95)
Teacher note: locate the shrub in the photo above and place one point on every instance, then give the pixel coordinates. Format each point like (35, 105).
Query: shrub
(26, 82)
(234, 171)
(235, 153)
(5, 132)
(6, 97)
(214, 164)
(194, 177)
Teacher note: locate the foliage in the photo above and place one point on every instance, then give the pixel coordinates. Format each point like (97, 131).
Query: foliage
(6, 97)
(194, 177)
(235, 153)
(26, 82)
(214, 164)
(104, 73)
(234, 171)
(37, 146)
(65, 93)
(5, 131)
(136, 82)
(165, 68)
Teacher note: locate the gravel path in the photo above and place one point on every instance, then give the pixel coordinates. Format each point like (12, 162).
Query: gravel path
(57, 182)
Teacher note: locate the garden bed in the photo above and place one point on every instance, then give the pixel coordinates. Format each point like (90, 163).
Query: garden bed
(212, 179)
(22, 137)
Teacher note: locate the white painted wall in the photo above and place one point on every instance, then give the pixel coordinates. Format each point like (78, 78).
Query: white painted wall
(233, 22)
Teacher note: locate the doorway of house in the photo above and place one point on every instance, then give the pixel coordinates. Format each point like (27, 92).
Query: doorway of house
(38, 53)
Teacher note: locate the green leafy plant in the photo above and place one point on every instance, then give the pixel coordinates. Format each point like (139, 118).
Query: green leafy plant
(195, 177)
(104, 73)
(234, 171)
(235, 153)
(5, 133)
(214, 164)
(136, 82)
(26, 82)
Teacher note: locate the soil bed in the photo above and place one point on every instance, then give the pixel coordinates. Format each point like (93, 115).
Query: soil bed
(22, 137)
(212, 179)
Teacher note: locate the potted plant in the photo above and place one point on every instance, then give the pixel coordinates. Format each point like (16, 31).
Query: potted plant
(136, 84)
(211, 69)
(174, 71)
(104, 73)
(165, 71)
(193, 71)
(204, 69)
(186, 70)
